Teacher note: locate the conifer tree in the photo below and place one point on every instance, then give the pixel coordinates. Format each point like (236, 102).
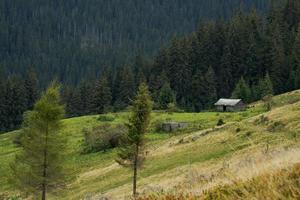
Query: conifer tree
(211, 87)
(198, 91)
(294, 76)
(179, 70)
(166, 96)
(69, 99)
(31, 89)
(131, 152)
(277, 58)
(2, 107)
(297, 78)
(291, 13)
(14, 103)
(242, 91)
(156, 83)
(83, 98)
(140, 69)
(204, 89)
(265, 86)
(225, 77)
(38, 168)
(102, 97)
(125, 87)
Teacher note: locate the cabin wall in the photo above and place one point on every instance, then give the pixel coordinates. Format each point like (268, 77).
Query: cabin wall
(233, 108)
(219, 108)
(236, 108)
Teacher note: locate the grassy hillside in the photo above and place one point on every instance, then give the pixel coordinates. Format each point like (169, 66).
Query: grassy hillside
(181, 159)
(282, 184)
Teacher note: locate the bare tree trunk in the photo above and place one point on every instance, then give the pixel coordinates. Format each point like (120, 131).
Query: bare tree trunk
(44, 192)
(135, 166)
(44, 185)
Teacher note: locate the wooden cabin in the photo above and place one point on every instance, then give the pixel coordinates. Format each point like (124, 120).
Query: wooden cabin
(230, 105)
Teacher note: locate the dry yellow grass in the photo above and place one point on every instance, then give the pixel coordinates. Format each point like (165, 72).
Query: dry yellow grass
(282, 184)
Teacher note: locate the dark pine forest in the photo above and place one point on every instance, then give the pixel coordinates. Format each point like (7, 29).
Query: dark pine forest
(189, 52)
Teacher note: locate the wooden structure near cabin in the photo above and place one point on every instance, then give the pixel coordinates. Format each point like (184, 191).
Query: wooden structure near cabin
(230, 105)
(173, 126)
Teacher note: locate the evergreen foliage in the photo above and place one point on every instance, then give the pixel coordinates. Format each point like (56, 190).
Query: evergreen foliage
(102, 97)
(131, 152)
(124, 87)
(31, 89)
(38, 168)
(76, 39)
(13, 103)
(242, 91)
(166, 96)
(200, 67)
(265, 87)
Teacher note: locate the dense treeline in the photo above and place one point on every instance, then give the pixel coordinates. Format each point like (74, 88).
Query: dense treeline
(249, 57)
(16, 96)
(75, 39)
(252, 53)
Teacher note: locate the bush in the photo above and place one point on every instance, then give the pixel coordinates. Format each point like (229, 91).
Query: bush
(268, 102)
(106, 118)
(275, 126)
(262, 120)
(18, 138)
(220, 122)
(171, 107)
(157, 125)
(103, 137)
(8, 197)
(237, 129)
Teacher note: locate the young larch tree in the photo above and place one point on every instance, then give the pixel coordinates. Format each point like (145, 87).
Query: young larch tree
(131, 152)
(38, 168)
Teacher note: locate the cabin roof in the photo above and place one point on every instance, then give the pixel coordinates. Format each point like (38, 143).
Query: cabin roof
(228, 102)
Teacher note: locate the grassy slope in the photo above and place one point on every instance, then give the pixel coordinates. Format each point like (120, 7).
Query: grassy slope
(98, 173)
(281, 184)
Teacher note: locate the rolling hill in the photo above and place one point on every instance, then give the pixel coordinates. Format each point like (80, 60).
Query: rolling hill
(200, 158)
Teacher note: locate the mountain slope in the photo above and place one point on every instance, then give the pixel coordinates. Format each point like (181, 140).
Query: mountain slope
(193, 161)
(74, 39)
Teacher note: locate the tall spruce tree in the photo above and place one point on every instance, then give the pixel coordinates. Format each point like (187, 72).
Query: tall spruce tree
(31, 89)
(265, 87)
(2, 107)
(125, 88)
(83, 98)
(225, 82)
(294, 77)
(204, 89)
(131, 152)
(179, 70)
(38, 168)
(198, 91)
(102, 97)
(278, 68)
(211, 88)
(14, 103)
(166, 96)
(69, 99)
(242, 91)
(297, 78)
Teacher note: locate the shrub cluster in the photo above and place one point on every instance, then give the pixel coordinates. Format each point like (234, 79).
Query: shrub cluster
(103, 137)
(220, 122)
(106, 118)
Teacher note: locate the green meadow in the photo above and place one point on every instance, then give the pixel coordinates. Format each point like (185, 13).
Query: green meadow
(97, 173)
